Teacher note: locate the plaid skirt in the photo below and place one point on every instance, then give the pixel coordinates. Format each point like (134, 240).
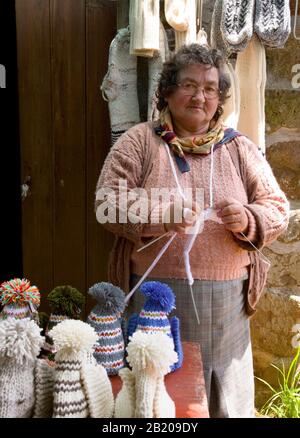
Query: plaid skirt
(224, 338)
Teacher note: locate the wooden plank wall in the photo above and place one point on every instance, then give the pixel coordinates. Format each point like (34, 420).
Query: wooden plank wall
(65, 136)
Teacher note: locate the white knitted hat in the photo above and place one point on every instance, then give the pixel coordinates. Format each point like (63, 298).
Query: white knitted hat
(81, 389)
(237, 23)
(251, 72)
(44, 383)
(20, 344)
(144, 27)
(151, 356)
(119, 86)
(272, 22)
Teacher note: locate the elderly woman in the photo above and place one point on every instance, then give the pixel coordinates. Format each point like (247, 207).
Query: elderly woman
(189, 148)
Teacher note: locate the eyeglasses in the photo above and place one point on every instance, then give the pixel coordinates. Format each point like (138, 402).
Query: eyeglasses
(191, 89)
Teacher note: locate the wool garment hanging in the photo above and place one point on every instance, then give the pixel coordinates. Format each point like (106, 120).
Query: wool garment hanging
(119, 86)
(237, 23)
(144, 27)
(232, 104)
(216, 37)
(155, 66)
(187, 14)
(251, 72)
(272, 22)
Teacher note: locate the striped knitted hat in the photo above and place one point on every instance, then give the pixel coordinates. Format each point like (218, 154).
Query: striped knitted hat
(19, 298)
(105, 318)
(153, 318)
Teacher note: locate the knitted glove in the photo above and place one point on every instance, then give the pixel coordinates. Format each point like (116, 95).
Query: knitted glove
(272, 22)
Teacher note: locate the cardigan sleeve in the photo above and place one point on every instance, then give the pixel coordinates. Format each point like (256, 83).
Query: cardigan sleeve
(122, 205)
(268, 207)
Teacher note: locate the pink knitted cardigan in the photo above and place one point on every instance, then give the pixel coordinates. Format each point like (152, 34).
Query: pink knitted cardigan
(140, 158)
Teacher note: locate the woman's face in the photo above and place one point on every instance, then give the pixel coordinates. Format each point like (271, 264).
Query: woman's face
(194, 112)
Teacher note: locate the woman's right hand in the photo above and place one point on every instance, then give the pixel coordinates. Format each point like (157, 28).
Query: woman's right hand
(181, 215)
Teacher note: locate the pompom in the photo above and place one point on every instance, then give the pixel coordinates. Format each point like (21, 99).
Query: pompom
(73, 336)
(110, 298)
(66, 300)
(20, 339)
(153, 353)
(19, 291)
(159, 294)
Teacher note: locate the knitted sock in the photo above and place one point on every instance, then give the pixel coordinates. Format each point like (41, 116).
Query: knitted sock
(154, 70)
(272, 22)
(237, 23)
(216, 37)
(190, 35)
(251, 72)
(144, 27)
(176, 13)
(119, 86)
(163, 405)
(125, 401)
(232, 105)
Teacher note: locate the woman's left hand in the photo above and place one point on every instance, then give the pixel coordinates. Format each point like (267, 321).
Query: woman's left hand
(233, 215)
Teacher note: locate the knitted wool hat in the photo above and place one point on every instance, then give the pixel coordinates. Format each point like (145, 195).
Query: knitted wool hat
(20, 343)
(150, 356)
(105, 318)
(66, 302)
(153, 317)
(272, 22)
(81, 387)
(251, 72)
(119, 86)
(237, 23)
(20, 300)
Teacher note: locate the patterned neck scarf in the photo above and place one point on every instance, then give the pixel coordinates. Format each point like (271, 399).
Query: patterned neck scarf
(201, 144)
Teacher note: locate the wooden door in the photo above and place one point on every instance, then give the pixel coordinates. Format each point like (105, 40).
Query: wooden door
(65, 136)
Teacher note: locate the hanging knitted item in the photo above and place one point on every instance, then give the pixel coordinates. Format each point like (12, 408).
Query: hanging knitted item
(66, 302)
(181, 15)
(119, 86)
(216, 37)
(160, 301)
(144, 27)
(155, 66)
(150, 357)
(105, 318)
(231, 106)
(81, 387)
(251, 72)
(20, 343)
(20, 299)
(272, 22)
(237, 23)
